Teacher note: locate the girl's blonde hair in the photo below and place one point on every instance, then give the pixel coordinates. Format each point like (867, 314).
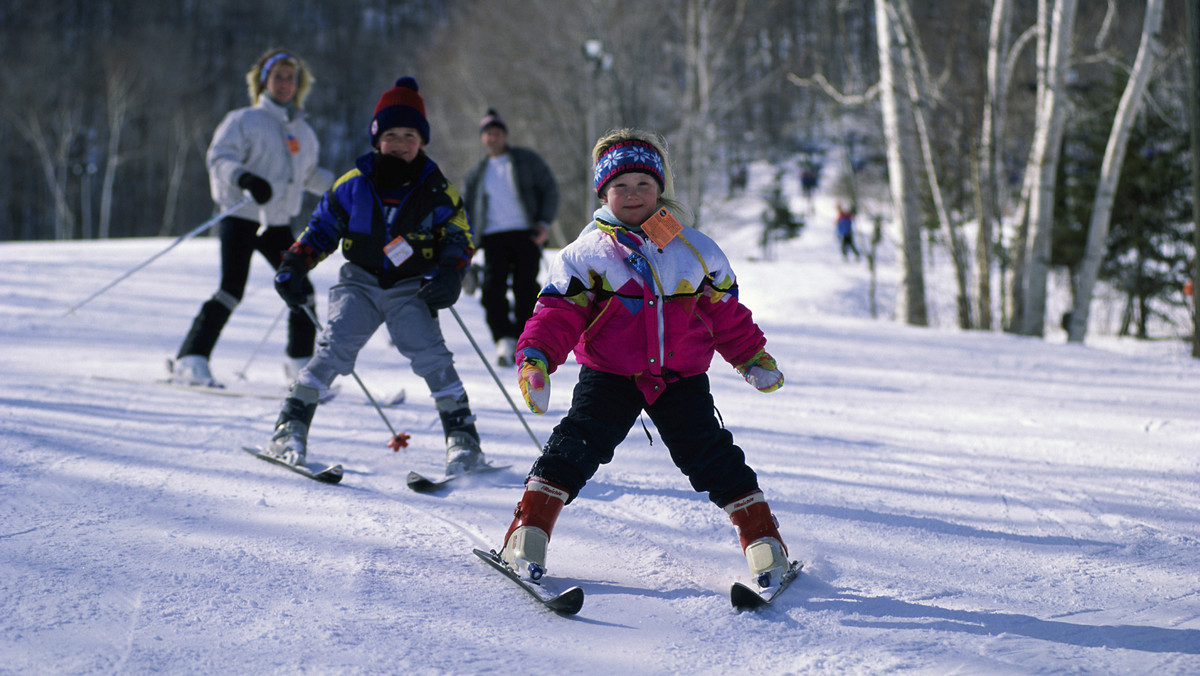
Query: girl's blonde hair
(667, 198)
(257, 83)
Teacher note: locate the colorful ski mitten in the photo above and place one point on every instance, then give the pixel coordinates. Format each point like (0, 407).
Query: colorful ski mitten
(762, 372)
(534, 379)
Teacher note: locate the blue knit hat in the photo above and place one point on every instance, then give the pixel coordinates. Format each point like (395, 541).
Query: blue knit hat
(400, 106)
(627, 156)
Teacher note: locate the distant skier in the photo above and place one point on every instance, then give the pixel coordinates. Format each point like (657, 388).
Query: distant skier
(809, 178)
(644, 302)
(845, 232)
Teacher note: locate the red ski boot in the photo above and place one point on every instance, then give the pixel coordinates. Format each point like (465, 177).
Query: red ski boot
(759, 534)
(529, 534)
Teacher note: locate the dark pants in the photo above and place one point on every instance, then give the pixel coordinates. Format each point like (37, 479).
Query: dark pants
(509, 255)
(239, 241)
(848, 245)
(604, 408)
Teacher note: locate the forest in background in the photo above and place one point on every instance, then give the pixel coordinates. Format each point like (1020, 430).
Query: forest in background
(108, 105)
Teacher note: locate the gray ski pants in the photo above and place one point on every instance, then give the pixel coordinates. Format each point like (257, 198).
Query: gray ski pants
(357, 307)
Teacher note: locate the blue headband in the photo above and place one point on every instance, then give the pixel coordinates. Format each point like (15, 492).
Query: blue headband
(627, 156)
(266, 69)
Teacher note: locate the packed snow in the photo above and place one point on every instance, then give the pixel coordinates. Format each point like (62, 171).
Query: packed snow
(963, 502)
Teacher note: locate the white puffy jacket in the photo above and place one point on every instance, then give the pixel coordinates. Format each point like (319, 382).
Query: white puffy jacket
(262, 140)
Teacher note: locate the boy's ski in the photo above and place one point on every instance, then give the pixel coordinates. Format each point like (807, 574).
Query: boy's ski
(565, 603)
(423, 484)
(329, 474)
(270, 394)
(745, 597)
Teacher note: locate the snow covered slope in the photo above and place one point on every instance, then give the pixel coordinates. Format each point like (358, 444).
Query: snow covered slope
(965, 502)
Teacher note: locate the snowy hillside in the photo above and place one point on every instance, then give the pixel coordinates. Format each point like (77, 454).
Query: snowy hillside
(965, 503)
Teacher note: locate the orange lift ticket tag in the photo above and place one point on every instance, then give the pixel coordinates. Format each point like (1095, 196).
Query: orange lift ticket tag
(662, 227)
(398, 250)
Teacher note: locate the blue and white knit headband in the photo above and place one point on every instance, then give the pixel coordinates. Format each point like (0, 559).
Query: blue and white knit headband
(266, 69)
(627, 156)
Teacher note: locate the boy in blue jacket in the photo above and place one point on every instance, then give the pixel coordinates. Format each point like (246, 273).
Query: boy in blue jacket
(404, 234)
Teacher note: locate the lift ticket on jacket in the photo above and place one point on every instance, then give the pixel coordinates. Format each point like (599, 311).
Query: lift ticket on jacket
(662, 227)
(398, 250)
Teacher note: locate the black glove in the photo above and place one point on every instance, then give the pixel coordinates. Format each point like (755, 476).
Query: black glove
(441, 291)
(291, 281)
(259, 189)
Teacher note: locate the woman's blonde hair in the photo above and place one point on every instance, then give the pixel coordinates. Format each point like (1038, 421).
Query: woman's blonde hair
(667, 197)
(256, 80)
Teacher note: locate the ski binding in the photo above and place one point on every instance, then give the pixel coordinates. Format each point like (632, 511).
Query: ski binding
(329, 474)
(567, 602)
(746, 597)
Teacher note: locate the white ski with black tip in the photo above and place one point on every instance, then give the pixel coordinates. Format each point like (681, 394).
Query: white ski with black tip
(327, 474)
(746, 597)
(567, 602)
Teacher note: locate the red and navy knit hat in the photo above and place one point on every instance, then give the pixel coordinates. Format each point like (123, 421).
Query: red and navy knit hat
(400, 106)
(627, 156)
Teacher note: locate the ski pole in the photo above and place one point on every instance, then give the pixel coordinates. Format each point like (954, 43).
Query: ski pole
(199, 229)
(496, 378)
(242, 374)
(397, 441)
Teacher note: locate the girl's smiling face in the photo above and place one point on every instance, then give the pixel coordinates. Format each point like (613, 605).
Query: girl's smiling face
(632, 197)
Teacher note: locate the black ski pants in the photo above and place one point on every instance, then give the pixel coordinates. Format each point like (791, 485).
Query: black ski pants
(604, 408)
(508, 255)
(239, 241)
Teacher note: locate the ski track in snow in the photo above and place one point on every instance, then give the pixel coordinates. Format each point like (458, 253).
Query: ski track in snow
(963, 502)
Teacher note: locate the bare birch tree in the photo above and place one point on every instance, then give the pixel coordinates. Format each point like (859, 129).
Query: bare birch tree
(120, 99)
(988, 182)
(899, 135)
(1193, 39)
(1047, 145)
(916, 74)
(1110, 169)
(1014, 299)
(52, 147)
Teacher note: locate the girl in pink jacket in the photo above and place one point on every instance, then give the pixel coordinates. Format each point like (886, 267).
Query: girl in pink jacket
(645, 303)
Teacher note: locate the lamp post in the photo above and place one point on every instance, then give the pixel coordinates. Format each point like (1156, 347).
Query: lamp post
(600, 61)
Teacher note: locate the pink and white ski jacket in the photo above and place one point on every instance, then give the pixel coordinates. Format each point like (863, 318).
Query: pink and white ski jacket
(628, 308)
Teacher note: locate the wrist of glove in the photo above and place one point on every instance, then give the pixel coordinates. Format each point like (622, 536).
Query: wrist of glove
(256, 185)
(534, 379)
(291, 281)
(442, 289)
(762, 372)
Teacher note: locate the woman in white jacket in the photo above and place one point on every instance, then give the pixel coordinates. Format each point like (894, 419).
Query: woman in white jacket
(268, 151)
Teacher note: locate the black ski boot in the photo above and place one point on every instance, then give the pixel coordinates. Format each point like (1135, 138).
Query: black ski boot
(290, 441)
(462, 441)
